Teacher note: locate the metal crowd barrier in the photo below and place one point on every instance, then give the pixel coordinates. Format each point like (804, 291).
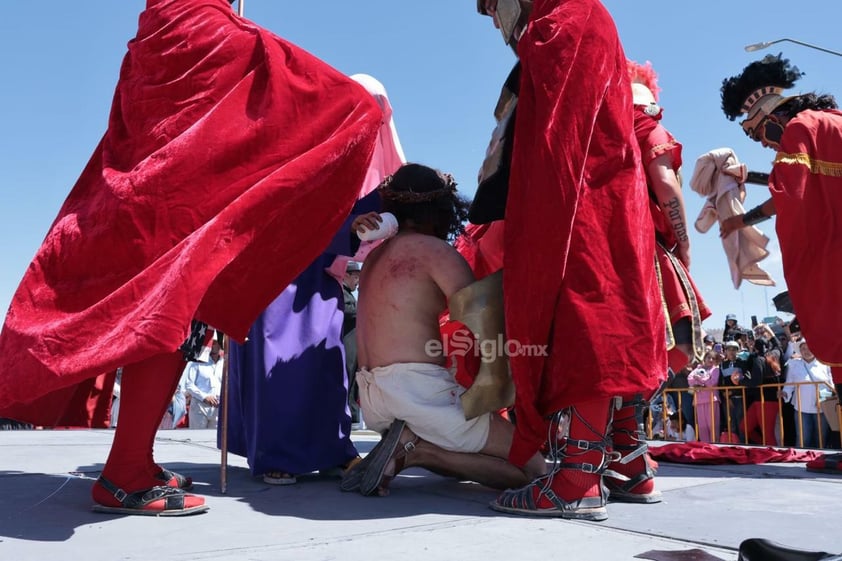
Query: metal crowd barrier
(828, 409)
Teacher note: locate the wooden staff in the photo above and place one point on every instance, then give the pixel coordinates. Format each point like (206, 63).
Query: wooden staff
(223, 420)
(223, 413)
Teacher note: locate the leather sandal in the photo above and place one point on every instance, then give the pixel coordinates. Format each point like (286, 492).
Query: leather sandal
(173, 479)
(156, 501)
(279, 478)
(353, 475)
(524, 502)
(374, 479)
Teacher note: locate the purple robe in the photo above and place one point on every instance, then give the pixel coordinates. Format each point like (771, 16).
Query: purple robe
(288, 389)
(288, 386)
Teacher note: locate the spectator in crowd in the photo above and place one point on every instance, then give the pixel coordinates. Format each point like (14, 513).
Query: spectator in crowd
(204, 384)
(705, 399)
(732, 370)
(661, 408)
(115, 399)
(350, 283)
(761, 394)
(732, 329)
(178, 407)
(792, 331)
(808, 380)
(679, 388)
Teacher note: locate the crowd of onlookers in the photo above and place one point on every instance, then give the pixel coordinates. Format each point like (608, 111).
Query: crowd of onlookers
(756, 386)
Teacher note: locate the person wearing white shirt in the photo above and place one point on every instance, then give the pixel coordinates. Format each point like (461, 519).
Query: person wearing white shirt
(804, 396)
(204, 384)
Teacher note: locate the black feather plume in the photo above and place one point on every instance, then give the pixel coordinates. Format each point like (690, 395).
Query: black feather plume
(772, 70)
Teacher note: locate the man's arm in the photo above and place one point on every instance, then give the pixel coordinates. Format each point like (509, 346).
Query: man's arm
(754, 216)
(667, 190)
(190, 385)
(448, 269)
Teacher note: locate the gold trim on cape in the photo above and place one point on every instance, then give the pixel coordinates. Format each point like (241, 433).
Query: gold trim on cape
(819, 167)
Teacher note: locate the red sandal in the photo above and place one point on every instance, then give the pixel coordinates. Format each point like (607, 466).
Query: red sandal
(157, 501)
(173, 479)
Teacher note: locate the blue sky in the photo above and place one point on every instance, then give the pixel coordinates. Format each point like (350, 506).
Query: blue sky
(442, 65)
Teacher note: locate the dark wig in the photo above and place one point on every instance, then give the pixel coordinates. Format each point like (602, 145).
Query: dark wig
(425, 198)
(806, 101)
(770, 71)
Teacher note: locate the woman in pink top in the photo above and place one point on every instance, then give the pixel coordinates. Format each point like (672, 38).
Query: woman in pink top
(706, 401)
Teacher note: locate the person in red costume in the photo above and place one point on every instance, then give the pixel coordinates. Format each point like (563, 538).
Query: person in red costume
(230, 160)
(684, 307)
(578, 256)
(661, 156)
(806, 186)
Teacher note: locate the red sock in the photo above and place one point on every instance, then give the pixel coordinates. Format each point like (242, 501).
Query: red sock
(589, 423)
(146, 390)
(626, 434)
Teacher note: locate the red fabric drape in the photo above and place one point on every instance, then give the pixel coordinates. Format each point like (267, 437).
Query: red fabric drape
(230, 160)
(579, 252)
(705, 453)
(482, 247)
(806, 185)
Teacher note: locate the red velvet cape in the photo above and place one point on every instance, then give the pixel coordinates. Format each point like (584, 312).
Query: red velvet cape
(230, 160)
(806, 185)
(579, 250)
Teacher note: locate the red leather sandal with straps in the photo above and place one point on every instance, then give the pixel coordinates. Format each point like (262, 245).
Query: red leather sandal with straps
(156, 501)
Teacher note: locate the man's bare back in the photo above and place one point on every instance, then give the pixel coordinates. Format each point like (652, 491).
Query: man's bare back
(404, 288)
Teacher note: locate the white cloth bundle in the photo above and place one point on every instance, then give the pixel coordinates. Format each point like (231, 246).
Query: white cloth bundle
(720, 177)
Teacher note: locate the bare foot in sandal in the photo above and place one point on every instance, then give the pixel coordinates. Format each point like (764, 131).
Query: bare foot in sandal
(279, 478)
(389, 461)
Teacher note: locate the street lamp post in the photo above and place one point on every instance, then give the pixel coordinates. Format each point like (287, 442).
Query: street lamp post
(758, 46)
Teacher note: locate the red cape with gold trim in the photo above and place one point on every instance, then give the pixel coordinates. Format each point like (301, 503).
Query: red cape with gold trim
(230, 160)
(579, 250)
(806, 185)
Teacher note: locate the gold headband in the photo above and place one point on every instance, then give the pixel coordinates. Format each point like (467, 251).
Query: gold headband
(759, 105)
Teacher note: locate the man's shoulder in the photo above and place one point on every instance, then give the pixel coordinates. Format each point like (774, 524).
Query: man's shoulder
(423, 245)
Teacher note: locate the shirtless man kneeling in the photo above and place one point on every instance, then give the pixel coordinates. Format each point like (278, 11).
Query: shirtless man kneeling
(404, 391)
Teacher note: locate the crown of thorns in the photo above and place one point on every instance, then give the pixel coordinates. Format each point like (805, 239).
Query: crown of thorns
(408, 195)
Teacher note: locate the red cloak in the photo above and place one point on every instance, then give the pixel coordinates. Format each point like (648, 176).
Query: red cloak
(230, 160)
(482, 247)
(579, 252)
(806, 185)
